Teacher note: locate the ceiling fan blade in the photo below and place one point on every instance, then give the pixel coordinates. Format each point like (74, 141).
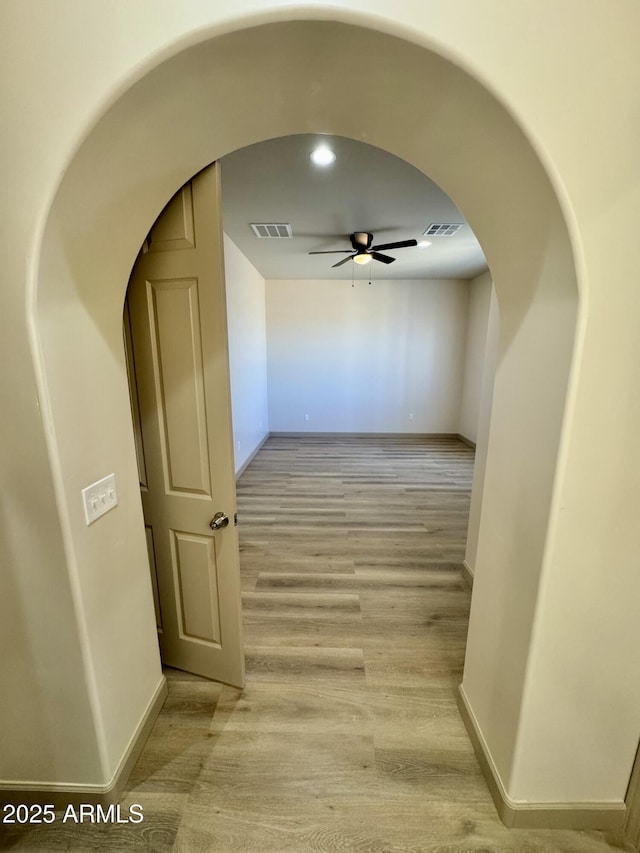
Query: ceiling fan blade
(401, 244)
(331, 252)
(386, 259)
(343, 261)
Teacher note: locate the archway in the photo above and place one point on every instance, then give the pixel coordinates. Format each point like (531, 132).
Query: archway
(229, 92)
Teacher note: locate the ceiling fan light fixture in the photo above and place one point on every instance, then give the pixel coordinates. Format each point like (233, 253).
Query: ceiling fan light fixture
(422, 244)
(363, 250)
(323, 156)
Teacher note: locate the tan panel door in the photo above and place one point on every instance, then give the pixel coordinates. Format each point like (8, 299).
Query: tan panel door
(178, 337)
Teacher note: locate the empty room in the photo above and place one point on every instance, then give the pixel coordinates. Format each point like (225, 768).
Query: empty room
(354, 485)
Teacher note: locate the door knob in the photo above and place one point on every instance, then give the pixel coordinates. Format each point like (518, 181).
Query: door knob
(219, 521)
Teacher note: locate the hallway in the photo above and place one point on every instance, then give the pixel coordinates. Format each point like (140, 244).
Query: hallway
(347, 736)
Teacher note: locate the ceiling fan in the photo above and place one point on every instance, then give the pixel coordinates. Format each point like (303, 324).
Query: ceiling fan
(362, 251)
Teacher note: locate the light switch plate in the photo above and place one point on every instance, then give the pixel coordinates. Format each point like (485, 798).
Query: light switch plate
(99, 498)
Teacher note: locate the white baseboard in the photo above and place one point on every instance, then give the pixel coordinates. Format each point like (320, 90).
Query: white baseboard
(251, 457)
(330, 435)
(605, 816)
(467, 573)
(466, 441)
(61, 794)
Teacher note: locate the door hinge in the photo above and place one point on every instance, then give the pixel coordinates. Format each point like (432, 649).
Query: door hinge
(235, 519)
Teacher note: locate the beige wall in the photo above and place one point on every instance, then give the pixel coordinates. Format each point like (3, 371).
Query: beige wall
(363, 358)
(246, 323)
(475, 355)
(484, 332)
(552, 217)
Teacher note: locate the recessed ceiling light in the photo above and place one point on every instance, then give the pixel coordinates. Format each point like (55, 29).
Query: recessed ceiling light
(423, 244)
(323, 156)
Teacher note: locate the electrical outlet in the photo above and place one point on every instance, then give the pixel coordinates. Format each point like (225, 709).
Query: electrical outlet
(306, 417)
(411, 416)
(99, 498)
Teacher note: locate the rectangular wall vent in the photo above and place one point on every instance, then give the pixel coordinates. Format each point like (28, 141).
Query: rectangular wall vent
(442, 229)
(272, 229)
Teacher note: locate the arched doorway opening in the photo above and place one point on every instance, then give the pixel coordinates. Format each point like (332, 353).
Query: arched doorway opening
(355, 359)
(232, 91)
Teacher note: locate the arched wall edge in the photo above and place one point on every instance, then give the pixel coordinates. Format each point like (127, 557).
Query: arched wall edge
(60, 291)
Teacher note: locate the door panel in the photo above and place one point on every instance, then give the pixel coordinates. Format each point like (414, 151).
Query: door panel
(179, 377)
(196, 587)
(177, 309)
(174, 229)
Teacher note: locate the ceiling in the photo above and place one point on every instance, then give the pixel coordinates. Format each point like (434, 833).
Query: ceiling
(366, 189)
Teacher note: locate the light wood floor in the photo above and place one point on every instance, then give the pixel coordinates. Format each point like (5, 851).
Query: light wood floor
(347, 736)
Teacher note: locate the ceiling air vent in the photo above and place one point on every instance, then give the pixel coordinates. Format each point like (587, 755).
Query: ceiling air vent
(272, 229)
(440, 229)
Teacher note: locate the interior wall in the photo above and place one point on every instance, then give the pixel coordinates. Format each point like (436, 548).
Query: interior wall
(82, 210)
(510, 553)
(44, 679)
(475, 355)
(366, 358)
(489, 362)
(113, 589)
(246, 322)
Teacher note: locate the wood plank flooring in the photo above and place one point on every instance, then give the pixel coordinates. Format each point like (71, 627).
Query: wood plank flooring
(347, 736)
